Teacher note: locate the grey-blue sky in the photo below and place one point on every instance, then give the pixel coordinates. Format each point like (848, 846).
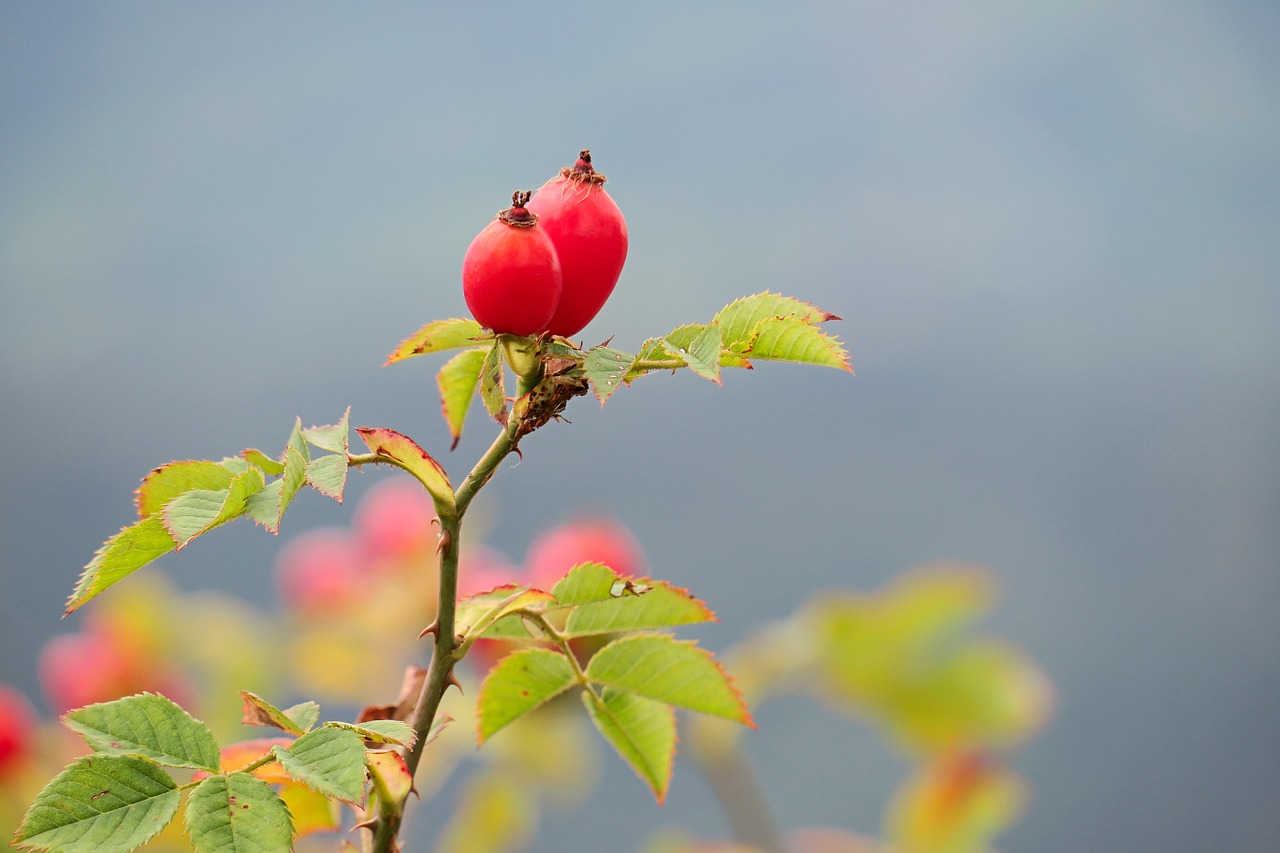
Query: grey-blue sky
(1051, 231)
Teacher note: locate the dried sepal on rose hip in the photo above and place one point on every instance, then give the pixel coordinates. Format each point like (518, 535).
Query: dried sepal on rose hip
(590, 237)
(511, 275)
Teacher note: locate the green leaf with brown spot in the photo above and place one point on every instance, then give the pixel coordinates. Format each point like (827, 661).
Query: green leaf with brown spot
(439, 336)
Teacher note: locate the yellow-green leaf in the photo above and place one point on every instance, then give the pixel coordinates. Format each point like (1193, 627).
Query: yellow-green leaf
(457, 381)
(519, 683)
(438, 336)
(641, 730)
(403, 451)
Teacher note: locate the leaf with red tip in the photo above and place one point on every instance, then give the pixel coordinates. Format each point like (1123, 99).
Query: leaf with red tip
(641, 730)
(457, 381)
(739, 319)
(403, 451)
(438, 336)
(792, 339)
(668, 670)
(391, 777)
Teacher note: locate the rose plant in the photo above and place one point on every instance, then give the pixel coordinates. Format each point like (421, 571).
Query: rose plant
(580, 618)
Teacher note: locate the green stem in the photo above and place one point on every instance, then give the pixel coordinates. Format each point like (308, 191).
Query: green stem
(444, 656)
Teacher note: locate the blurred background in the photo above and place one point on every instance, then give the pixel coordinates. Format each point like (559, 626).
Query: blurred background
(1051, 230)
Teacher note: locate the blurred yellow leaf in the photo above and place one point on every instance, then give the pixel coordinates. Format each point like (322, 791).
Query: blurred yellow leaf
(956, 804)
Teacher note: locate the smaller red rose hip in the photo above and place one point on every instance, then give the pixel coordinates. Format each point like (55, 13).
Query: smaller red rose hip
(511, 276)
(590, 237)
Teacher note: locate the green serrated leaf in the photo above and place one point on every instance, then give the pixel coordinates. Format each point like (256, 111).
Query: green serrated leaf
(260, 460)
(699, 347)
(438, 336)
(457, 381)
(199, 511)
(640, 606)
(641, 730)
(519, 683)
(606, 369)
(402, 450)
(481, 606)
(260, 712)
(328, 760)
(237, 813)
(328, 475)
(381, 731)
(668, 670)
(147, 726)
(169, 481)
(492, 394)
(739, 319)
(266, 507)
(586, 582)
(100, 804)
(120, 556)
(791, 339)
(334, 438)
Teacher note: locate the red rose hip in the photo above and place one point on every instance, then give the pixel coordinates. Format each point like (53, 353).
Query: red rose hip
(590, 237)
(511, 276)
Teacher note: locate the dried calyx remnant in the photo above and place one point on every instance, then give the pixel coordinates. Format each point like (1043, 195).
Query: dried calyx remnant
(516, 214)
(582, 170)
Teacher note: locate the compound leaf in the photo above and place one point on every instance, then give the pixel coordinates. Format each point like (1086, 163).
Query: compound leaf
(100, 804)
(148, 726)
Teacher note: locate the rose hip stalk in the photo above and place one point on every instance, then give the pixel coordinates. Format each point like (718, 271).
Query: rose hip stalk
(511, 276)
(590, 237)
